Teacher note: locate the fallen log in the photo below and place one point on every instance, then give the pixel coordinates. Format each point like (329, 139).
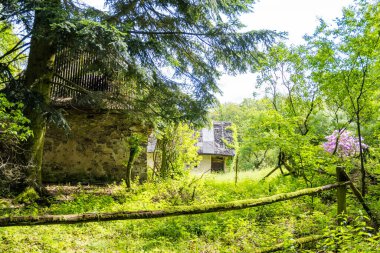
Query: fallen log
(148, 214)
(298, 243)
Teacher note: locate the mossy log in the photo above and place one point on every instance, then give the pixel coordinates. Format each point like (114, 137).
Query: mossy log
(147, 214)
(298, 243)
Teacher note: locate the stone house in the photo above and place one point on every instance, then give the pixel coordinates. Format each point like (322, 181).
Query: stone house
(214, 148)
(96, 148)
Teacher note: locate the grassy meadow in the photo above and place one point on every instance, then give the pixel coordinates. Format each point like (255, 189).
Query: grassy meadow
(245, 230)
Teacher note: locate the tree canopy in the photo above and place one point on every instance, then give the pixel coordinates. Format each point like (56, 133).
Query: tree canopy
(324, 91)
(169, 54)
(174, 50)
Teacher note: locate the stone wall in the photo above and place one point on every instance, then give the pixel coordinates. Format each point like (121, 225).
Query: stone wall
(94, 151)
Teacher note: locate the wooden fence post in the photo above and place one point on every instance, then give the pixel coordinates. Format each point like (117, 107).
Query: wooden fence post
(341, 193)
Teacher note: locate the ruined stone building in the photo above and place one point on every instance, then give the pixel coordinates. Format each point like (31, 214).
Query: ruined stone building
(96, 148)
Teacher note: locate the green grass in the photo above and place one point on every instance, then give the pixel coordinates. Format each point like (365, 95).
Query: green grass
(233, 231)
(255, 175)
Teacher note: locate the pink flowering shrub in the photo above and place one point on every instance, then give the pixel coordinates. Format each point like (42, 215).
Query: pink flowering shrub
(347, 145)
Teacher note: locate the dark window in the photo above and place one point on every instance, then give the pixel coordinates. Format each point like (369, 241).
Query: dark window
(217, 164)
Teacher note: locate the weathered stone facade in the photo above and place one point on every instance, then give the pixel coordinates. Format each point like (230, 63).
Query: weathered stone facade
(95, 150)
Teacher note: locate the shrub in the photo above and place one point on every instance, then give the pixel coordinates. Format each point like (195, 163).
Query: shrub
(13, 130)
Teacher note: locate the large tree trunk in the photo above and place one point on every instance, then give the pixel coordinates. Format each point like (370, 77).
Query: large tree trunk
(38, 75)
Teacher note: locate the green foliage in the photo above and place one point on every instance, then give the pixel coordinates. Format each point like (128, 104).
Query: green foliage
(175, 152)
(170, 54)
(11, 55)
(14, 130)
(354, 236)
(294, 100)
(328, 83)
(344, 60)
(252, 152)
(13, 124)
(164, 57)
(233, 144)
(134, 144)
(135, 140)
(28, 196)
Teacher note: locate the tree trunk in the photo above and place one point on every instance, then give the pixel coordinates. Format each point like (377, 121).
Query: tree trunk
(164, 158)
(362, 168)
(131, 160)
(38, 75)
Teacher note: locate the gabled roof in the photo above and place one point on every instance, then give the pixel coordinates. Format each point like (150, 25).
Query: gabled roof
(212, 141)
(215, 141)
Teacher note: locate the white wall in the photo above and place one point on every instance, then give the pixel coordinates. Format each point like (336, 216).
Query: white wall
(149, 160)
(204, 165)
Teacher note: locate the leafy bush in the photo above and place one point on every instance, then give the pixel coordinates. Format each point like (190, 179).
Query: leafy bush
(13, 130)
(175, 151)
(352, 236)
(28, 196)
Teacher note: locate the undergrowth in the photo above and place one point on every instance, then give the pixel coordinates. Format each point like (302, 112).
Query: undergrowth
(233, 231)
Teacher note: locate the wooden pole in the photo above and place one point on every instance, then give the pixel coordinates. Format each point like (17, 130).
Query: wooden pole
(341, 193)
(236, 168)
(147, 214)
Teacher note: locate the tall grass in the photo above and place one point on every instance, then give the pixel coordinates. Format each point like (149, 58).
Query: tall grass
(254, 175)
(233, 231)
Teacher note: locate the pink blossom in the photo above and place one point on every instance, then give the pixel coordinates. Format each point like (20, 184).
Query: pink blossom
(346, 145)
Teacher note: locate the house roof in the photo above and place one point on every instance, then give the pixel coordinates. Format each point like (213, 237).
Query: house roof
(212, 141)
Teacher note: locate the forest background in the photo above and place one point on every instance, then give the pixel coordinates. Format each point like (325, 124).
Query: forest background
(320, 111)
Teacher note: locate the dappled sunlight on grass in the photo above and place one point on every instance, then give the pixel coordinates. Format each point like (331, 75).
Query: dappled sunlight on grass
(233, 231)
(254, 175)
